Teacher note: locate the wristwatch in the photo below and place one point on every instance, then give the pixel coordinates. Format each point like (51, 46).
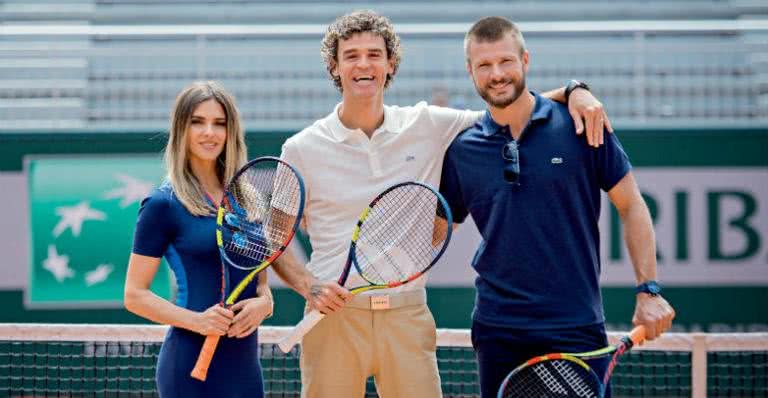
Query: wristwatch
(651, 287)
(573, 85)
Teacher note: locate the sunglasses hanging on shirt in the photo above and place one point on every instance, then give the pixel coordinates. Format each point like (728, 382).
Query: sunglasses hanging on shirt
(511, 156)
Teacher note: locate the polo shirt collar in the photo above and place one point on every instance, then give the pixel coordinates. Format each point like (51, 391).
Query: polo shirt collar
(341, 133)
(542, 109)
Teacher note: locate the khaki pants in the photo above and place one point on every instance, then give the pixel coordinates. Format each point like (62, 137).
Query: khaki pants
(396, 346)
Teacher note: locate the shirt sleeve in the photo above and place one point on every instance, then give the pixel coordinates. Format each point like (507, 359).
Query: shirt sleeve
(450, 188)
(153, 227)
(448, 122)
(612, 163)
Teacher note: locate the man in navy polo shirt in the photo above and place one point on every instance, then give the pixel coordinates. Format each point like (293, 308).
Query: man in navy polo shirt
(533, 188)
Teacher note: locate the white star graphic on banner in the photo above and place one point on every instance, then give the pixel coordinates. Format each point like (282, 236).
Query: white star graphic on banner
(73, 217)
(58, 265)
(98, 275)
(133, 190)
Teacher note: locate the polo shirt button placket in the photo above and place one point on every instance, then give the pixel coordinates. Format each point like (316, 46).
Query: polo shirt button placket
(373, 157)
(373, 160)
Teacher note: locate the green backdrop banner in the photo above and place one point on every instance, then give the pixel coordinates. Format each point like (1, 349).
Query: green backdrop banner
(82, 214)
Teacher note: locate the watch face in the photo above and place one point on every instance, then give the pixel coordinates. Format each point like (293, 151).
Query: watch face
(651, 287)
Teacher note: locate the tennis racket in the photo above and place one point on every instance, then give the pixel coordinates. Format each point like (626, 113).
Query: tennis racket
(566, 374)
(399, 236)
(257, 218)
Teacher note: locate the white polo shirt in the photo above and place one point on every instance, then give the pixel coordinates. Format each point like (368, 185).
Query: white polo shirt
(344, 170)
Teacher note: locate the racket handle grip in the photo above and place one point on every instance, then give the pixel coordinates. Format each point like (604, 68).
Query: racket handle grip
(637, 335)
(200, 372)
(302, 328)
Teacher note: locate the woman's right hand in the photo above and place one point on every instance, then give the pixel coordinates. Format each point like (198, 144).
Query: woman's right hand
(215, 321)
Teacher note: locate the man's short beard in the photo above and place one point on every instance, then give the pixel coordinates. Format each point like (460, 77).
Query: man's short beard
(504, 102)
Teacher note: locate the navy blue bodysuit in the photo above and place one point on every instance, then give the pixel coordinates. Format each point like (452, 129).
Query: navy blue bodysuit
(166, 229)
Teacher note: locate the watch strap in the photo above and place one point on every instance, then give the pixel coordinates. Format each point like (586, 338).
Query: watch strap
(573, 85)
(651, 287)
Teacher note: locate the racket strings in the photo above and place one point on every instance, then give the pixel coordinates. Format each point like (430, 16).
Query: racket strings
(397, 244)
(575, 378)
(267, 200)
(533, 381)
(381, 253)
(399, 237)
(558, 378)
(548, 380)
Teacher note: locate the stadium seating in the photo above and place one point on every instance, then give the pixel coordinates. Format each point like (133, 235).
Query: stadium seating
(127, 80)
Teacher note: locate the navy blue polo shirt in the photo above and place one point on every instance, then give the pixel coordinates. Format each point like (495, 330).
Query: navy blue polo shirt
(538, 262)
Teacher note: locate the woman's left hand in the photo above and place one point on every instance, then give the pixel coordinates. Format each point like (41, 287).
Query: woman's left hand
(249, 314)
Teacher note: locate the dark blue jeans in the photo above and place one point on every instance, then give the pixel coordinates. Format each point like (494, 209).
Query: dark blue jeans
(500, 350)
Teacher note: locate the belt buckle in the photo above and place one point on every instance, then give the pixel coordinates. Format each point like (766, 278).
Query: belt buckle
(380, 302)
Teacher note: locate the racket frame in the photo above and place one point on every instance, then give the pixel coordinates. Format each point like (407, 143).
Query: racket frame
(200, 370)
(313, 317)
(352, 259)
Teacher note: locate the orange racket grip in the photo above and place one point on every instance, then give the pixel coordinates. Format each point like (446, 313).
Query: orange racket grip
(637, 335)
(200, 371)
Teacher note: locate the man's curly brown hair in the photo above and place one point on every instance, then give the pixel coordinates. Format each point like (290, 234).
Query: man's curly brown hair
(360, 21)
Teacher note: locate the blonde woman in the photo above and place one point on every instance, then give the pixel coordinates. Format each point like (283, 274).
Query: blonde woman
(205, 147)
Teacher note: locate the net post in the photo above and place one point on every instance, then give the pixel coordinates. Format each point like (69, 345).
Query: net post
(699, 365)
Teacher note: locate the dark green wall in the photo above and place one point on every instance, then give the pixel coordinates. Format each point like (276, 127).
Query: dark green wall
(14, 146)
(646, 147)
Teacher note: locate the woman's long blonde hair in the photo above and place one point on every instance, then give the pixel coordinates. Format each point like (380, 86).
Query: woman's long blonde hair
(185, 185)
